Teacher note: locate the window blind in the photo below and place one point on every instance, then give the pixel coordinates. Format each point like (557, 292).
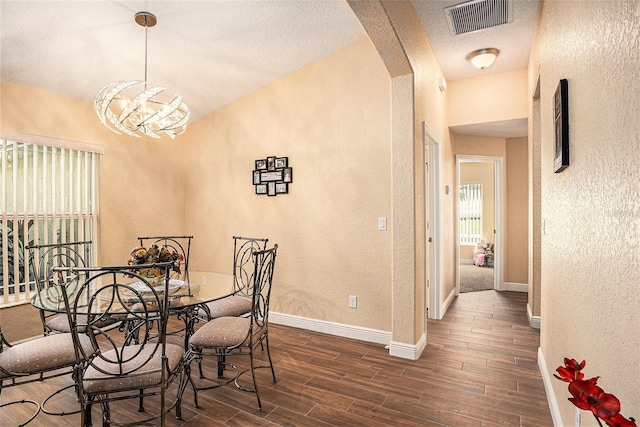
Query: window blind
(48, 195)
(471, 208)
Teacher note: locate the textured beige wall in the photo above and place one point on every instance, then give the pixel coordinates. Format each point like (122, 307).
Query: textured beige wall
(429, 106)
(386, 23)
(332, 120)
(20, 322)
(404, 269)
(590, 251)
(516, 212)
(479, 100)
(535, 202)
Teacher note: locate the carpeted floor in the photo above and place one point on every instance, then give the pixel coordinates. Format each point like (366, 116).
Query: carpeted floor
(474, 278)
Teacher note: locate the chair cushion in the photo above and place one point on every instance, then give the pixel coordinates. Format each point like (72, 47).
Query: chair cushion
(148, 375)
(231, 306)
(61, 323)
(42, 354)
(222, 332)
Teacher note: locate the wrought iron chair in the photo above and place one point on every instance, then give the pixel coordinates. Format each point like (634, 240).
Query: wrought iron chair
(123, 363)
(37, 359)
(43, 259)
(225, 336)
(239, 303)
(180, 247)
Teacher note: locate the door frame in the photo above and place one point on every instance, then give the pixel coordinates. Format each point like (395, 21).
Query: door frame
(498, 182)
(433, 225)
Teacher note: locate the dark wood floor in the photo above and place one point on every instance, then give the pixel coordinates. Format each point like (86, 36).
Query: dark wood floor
(479, 369)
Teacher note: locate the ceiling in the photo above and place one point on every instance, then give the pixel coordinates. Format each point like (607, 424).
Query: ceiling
(215, 52)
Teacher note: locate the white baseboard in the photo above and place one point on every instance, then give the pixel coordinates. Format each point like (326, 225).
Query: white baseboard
(396, 349)
(332, 328)
(516, 287)
(534, 321)
(408, 351)
(548, 388)
(447, 302)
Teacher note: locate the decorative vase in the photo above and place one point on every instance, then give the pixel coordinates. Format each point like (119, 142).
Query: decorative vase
(152, 275)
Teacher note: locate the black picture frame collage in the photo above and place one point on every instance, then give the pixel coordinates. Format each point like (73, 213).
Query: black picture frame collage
(272, 176)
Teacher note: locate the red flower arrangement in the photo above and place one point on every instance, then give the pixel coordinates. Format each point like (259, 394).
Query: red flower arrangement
(588, 396)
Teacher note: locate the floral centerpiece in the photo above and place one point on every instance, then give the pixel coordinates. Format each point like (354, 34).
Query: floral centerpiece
(154, 254)
(588, 396)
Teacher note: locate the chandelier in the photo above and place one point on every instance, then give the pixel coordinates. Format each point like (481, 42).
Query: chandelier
(122, 109)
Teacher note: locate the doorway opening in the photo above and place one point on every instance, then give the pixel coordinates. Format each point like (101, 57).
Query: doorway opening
(479, 236)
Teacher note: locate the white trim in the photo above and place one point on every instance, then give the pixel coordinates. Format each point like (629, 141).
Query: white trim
(51, 142)
(396, 349)
(331, 328)
(408, 351)
(515, 287)
(447, 302)
(534, 321)
(548, 388)
(434, 217)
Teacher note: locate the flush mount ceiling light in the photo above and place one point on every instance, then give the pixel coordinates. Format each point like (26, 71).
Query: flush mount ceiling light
(122, 110)
(483, 58)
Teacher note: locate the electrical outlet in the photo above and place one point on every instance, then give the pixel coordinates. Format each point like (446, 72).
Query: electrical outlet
(353, 301)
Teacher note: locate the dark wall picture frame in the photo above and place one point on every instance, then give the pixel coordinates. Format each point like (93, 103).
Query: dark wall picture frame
(275, 175)
(282, 188)
(271, 188)
(272, 176)
(281, 162)
(287, 175)
(271, 163)
(561, 121)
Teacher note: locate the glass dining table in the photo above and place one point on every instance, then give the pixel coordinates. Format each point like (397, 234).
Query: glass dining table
(187, 300)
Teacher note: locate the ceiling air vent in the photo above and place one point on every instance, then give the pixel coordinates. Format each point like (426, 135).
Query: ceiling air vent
(477, 15)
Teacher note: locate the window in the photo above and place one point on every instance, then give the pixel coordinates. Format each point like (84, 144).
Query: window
(47, 195)
(470, 213)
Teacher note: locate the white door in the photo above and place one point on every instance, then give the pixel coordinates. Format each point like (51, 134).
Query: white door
(432, 201)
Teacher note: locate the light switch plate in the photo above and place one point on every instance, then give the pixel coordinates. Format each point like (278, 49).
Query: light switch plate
(382, 223)
(353, 301)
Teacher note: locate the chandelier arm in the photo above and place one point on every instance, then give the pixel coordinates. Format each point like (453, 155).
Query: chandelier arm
(164, 111)
(114, 121)
(141, 99)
